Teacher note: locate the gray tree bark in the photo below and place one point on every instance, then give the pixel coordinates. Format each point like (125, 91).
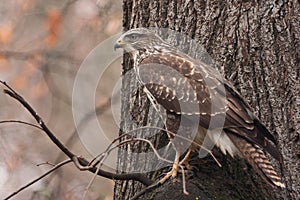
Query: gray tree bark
(258, 41)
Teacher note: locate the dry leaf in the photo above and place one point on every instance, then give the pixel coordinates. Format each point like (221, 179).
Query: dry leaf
(52, 26)
(6, 31)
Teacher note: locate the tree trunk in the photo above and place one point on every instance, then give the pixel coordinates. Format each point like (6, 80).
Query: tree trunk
(258, 43)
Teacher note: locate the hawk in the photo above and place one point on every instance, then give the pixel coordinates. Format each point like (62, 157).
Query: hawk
(187, 88)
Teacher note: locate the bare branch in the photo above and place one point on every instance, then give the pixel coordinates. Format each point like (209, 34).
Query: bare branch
(31, 54)
(45, 163)
(181, 137)
(99, 110)
(20, 122)
(39, 178)
(81, 161)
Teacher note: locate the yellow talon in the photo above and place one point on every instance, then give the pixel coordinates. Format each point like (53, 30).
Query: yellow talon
(176, 164)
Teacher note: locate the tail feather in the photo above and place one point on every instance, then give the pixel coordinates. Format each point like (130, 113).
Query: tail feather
(258, 160)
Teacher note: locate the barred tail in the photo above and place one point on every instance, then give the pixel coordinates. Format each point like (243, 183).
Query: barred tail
(258, 160)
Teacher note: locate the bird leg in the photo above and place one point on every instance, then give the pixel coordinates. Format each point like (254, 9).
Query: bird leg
(185, 160)
(176, 164)
(174, 169)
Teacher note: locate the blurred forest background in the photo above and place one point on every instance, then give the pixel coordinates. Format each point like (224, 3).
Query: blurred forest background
(42, 44)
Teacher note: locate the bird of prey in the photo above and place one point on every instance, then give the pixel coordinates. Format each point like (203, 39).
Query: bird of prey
(192, 93)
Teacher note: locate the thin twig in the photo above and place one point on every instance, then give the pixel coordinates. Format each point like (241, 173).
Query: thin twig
(101, 157)
(97, 159)
(157, 184)
(20, 122)
(91, 182)
(39, 178)
(98, 110)
(81, 161)
(181, 137)
(45, 163)
(104, 155)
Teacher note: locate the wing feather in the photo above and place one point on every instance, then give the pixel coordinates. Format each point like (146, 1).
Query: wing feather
(191, 93)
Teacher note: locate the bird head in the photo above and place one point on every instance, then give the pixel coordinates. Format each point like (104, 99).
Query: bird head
(137, 40)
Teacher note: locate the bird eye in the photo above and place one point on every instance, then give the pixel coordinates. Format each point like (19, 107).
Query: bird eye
(133, 37)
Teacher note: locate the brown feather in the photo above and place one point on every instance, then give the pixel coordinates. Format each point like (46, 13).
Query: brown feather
(257, 159)
(239, 117)
(186, 87)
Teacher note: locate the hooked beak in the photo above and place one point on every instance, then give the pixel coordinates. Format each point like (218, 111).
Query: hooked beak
(119, 44)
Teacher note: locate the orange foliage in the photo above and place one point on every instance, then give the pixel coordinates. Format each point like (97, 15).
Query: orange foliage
(28, 78)
(3, 64)
(30, 67)
(39, 90)
(22, 80)
(26, 4)
(19, 82)
(52, 26)
(113, 25)
(6, 31)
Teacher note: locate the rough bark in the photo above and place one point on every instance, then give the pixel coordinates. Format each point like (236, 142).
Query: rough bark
(258, 41)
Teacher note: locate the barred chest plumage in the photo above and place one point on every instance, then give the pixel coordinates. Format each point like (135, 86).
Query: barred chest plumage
(167, 86)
